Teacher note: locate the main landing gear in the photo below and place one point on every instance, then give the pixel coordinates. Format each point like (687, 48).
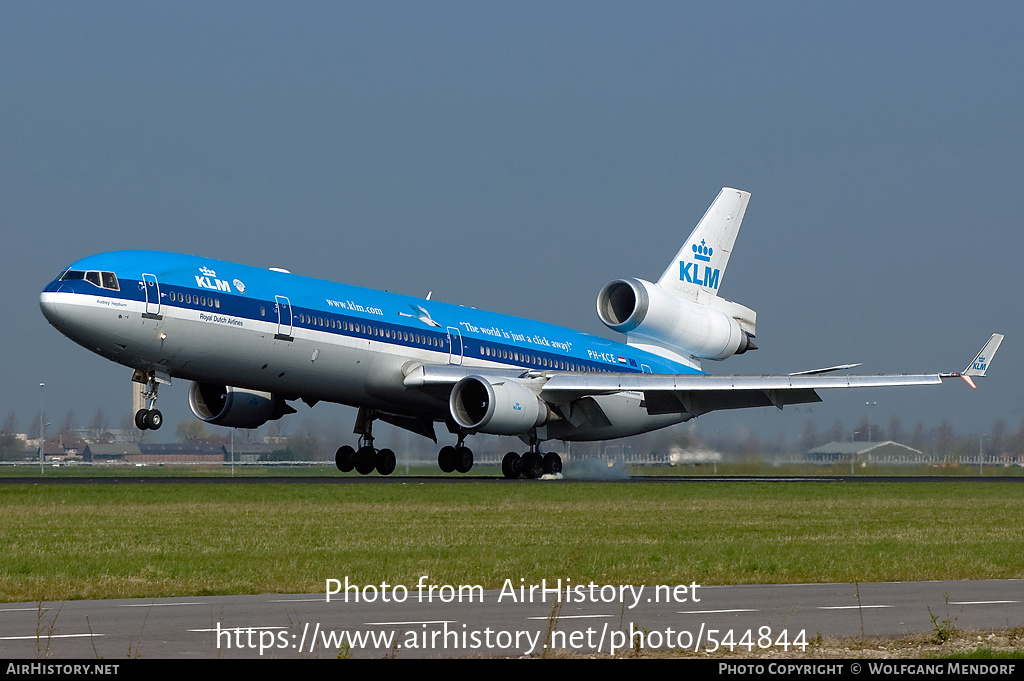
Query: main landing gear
(366, 459)
(150, 417)
(531, 464)
(458, 458)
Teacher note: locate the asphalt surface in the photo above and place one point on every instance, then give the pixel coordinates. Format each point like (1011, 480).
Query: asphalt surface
(449, 621)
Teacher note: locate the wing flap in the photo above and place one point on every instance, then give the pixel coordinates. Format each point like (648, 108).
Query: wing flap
(697, 403)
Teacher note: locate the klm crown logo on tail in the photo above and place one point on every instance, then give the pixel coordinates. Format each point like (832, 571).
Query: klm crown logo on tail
(695, 273)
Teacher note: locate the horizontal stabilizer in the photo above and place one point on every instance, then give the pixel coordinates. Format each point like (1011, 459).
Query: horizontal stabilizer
(813, 372)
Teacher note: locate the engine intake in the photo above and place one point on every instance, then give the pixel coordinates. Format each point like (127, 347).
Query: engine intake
(232, 407)
(497, 406)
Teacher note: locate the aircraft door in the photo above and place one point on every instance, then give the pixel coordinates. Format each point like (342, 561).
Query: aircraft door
(152, 289)
(284, 318)
(454, 346)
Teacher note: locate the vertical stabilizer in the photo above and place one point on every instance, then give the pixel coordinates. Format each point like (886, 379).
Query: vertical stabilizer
(698, 268)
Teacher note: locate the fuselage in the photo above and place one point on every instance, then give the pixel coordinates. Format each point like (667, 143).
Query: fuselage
(206, 320)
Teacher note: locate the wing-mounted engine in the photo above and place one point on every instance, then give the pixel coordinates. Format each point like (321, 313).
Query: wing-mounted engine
(232, 407)
(496, 405)
(646, 312)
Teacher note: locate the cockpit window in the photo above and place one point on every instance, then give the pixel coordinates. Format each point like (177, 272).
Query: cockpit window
(106, 280)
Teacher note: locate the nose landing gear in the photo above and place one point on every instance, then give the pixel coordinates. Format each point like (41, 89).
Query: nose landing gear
(149, 417)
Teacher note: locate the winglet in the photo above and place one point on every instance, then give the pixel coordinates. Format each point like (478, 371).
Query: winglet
(979, 365)
(984, 358)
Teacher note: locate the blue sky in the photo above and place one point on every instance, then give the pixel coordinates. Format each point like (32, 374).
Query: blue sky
(517, 156)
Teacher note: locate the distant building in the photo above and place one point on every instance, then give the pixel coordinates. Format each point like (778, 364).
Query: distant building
(869, 452)
(156, 453)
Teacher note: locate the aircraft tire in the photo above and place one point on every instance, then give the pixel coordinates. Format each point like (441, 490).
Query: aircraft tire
(366, 460)
(140, 419)
(345, 458)
(463, 459)
(552, 463)
(446, 459)
(533, 465)
(154, 419)
(386, 462)
(512, 466)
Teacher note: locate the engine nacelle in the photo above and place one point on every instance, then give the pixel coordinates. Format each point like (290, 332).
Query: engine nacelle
(497, 406)
(232, 407)
(647, 311)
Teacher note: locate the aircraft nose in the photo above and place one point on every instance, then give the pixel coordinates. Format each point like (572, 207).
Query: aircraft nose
(50, 307)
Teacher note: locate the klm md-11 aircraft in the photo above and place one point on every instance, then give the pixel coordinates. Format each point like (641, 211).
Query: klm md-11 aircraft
(251, 340)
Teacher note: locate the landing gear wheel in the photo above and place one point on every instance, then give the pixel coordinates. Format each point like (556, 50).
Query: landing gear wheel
(385, 462)
(154, 419)
(366, 460)
(533, 465)
(552, 463)
(463, 459)
(512, 466)
(140, 419)
(446, 459)
(345, 458)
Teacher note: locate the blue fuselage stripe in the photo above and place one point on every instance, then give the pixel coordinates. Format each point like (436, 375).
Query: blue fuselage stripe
(348, 311)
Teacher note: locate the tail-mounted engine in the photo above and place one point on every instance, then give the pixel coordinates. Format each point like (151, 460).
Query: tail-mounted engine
(224, 405)
(645, 311)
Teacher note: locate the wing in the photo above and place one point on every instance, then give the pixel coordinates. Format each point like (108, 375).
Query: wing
(699, 394)
(696, 394)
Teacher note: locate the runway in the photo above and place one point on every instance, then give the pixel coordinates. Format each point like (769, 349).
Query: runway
(459, 621)
(464, 479)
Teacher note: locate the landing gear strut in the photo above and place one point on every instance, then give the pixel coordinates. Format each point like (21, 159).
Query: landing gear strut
(148, 418)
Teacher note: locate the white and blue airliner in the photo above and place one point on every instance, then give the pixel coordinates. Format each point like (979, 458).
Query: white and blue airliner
(251, 340)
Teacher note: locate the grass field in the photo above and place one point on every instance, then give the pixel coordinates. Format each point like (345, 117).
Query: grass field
(94, 540)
